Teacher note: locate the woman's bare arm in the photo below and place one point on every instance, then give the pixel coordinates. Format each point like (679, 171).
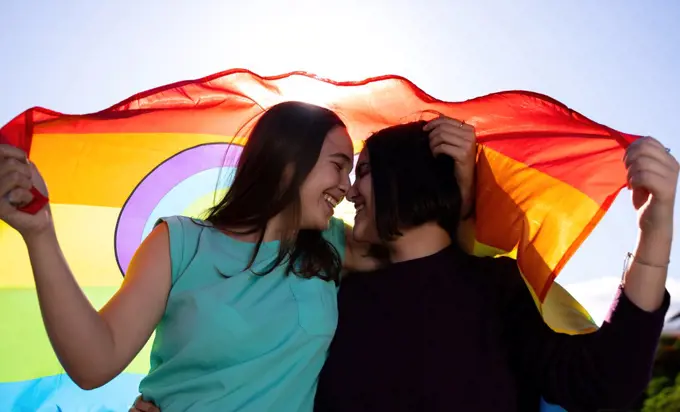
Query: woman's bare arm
(95, 346)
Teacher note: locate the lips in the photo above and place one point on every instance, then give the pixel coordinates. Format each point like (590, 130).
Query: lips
(358, 210)
(331, 200)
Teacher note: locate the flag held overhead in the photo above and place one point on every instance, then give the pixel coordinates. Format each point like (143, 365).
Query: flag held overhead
(546, 175)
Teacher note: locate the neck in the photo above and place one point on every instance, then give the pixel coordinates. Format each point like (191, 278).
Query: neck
(274, 231)
(418, 242)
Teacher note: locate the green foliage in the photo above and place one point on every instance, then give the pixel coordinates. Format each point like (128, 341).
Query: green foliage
(667, 399)
(657, 385)
(663, 392)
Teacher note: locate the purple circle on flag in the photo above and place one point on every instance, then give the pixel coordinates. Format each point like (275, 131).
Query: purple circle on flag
(154, 188)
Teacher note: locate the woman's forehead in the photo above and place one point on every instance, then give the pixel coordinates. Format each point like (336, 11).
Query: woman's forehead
(363, 156)
(337, 140)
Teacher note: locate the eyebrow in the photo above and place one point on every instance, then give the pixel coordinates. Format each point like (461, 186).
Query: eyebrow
(343, 157)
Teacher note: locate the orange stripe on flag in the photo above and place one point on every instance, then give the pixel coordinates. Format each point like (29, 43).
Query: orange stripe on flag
(525, 212)
(577, 161)
(103, 169)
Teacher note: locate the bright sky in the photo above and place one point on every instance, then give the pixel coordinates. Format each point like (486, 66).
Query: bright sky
(614, 61)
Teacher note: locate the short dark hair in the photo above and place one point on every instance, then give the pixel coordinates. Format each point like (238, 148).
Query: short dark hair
(410, 185)
(289, 133)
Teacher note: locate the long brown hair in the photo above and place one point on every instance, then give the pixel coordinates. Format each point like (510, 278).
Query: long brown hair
(285, 141)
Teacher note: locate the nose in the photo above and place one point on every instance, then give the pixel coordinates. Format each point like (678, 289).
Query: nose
(345, 185)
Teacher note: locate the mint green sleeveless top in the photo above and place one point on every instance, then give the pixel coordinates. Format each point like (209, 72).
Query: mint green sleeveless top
(231, 340)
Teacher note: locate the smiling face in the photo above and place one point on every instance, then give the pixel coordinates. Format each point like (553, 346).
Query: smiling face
(361, 194)
(400, 185)
(328, 182)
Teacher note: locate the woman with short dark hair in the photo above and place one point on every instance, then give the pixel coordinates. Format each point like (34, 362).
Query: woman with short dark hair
(438, 330)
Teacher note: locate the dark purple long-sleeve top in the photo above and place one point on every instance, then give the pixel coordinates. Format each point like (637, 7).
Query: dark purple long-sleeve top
(452, 332)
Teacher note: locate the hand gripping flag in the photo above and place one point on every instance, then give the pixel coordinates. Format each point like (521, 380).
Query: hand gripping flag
(545, 177)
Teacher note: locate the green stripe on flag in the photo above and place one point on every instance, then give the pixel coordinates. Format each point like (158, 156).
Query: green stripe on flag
(25, 350)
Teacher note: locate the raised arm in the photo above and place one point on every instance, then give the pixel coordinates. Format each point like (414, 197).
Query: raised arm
(609, 368)
(653, 178)
(92, 346)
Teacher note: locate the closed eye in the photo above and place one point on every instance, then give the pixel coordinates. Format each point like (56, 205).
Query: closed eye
(362, 170)
(342, 160)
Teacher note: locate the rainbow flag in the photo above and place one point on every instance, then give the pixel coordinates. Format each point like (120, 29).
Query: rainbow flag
(546, 176)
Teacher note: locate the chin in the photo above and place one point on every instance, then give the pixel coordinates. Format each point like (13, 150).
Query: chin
(358, 233)
(317, 224)
(363, 232)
